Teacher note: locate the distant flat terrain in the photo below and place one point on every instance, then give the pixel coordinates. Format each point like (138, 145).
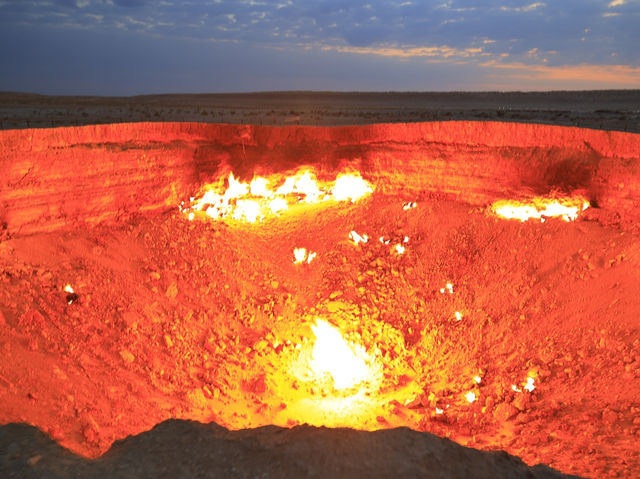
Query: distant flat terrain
(605, 109)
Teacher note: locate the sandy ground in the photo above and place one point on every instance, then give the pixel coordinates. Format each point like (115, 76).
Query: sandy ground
(612, 110)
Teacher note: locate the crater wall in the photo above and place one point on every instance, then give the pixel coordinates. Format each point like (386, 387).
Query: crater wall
(59, 177)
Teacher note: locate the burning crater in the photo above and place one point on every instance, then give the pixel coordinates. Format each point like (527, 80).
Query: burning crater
(474, 280)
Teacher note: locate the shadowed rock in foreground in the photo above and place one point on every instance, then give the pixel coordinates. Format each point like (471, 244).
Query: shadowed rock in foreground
(177, 448)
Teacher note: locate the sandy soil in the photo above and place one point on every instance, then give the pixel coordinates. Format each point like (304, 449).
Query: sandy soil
(611, 110)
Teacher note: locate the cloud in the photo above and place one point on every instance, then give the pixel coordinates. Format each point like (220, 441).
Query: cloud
(525, 8)
(577, 76)
(509, 32)
(434, 52)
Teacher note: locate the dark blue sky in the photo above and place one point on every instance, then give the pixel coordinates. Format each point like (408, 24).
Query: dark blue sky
(125, 47)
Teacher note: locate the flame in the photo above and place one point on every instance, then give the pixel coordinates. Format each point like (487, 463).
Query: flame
(347, 363)
(356, 238)
(68, 289)
(470, 396)
(300, 255)
(350, 187)
(540, 208)
(529, 385)
(255, 201)
(449, 287)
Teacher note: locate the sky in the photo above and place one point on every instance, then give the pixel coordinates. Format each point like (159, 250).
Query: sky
(129, 47)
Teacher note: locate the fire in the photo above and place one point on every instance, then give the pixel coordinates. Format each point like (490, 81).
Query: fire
(262, 197)
(350, 187)
(347, 363)
(540, 208)
(357, 238)
(470, 396)
(301, 255)
(529, 386)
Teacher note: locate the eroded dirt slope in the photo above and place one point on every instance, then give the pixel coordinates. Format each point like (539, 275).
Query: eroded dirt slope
(89, 175)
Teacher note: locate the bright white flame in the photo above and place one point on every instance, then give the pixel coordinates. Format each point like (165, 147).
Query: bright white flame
(439, 411)
(287, 187)
(516, 388)
(248, 210)
(254, 201)
(458, 316)
(470, 396)
(477, 379)
(410, 205)
(68, 289)
(306, 184)
(356, 238)
(399, 249)
(345, 362)
(350, 187)
(236, 188)
(541, 208)
(278, 204)
(258, 187)
(300, 255)
(529, 386)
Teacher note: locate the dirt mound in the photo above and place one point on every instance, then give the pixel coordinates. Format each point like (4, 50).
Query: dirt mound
(177, 448)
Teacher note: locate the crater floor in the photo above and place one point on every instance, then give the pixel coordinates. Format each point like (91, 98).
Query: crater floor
(202, 320)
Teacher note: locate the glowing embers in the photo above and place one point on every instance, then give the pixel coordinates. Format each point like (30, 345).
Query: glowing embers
(541, 208)
(262, 197)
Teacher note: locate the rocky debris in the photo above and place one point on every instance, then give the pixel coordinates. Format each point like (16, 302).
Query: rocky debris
(178, 448)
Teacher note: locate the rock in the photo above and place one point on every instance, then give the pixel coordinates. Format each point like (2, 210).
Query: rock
(609, 417)
(334, 306)
(505, 411)
(172, 291)
(521, 401)
(182, 448)
(127, 356)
